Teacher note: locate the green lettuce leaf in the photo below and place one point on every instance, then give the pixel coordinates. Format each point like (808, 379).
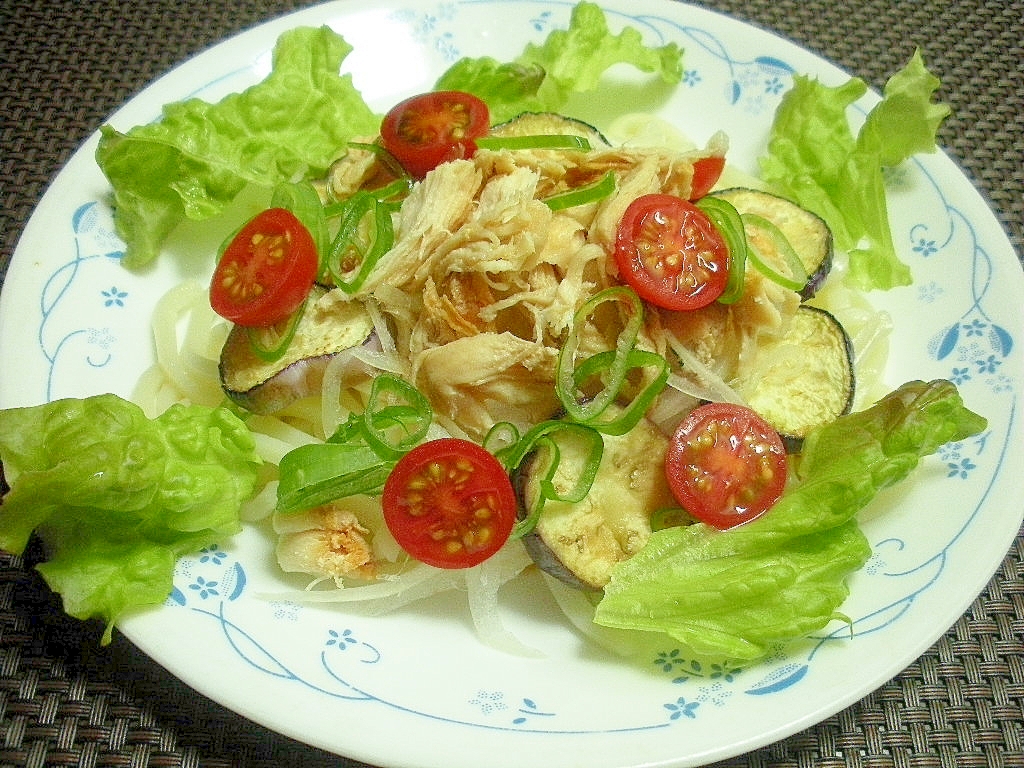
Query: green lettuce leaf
(198, 156)
(117, 497)
(731, 594)
(570, 60)
(814, 158)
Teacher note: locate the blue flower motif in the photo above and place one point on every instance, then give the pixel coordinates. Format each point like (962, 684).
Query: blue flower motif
(287, 611)
(529, 708)
(114, 297)
(925, 247)
(975, 328)
(691, 77)
(988, 364)
(681, 708)
(960, 375)
(668, 659)
(204, 588)
(212, 554)
(540, 23)
(774, 85)
(1002, 384)
(342, 640)
(875, 565)
(961, 469)
(722, 672)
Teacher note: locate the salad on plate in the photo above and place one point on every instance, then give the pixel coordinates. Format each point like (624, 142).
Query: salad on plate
(475, 335)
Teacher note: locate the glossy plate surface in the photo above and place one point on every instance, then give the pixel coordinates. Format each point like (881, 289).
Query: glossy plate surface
(417, 688)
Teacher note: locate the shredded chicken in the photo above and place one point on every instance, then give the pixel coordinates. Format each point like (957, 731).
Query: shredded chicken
(725, 337)
(327, 541)
(479, 380)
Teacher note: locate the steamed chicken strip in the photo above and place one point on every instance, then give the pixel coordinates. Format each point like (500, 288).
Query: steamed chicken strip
(726, 337)
(327, 541)
(434, 209)
(478, 380)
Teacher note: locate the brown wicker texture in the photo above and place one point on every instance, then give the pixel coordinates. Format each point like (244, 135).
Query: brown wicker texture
(66, 702)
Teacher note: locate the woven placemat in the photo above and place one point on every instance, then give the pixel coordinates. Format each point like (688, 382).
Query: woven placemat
(64, 66)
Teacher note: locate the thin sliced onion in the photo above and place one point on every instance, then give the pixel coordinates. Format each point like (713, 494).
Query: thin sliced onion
(580, 612)
(869, 330)
(418, 582)
(274, 438)
(670, 408)
(260, 506)
(343, 372)
(187, 335)
(482, 585)
(380, 326)
(702, 383)
(373, 357)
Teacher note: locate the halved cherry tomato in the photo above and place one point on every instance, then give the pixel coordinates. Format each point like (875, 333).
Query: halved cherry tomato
(670, 252)
(449, 503)
(725, 464)
(266, 271)
(433, 128)
(706, 173)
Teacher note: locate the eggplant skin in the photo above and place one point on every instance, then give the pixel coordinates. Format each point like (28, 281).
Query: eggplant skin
(549, 124)
(580, 543)
(805, 379)
(807, 232)
(326, 328)
(548, 561)
(284, 387)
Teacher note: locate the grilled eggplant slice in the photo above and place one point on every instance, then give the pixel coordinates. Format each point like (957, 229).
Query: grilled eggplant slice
(579, 543)
(324, 329)
(549, 124)
(803, 380)
(806, 232)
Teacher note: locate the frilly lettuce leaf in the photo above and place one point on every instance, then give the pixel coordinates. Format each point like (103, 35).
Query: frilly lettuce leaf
(117, 497)
(570, 60)
(814, 158)
(198, 156)
(731, 594)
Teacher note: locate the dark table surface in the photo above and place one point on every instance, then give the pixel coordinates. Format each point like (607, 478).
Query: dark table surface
(65, 701)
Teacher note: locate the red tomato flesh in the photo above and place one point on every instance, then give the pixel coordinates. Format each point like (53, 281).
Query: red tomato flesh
(706, 173)
(434, 128)
(449, 503)
(266, 271)
(725, 465)
(670, 253)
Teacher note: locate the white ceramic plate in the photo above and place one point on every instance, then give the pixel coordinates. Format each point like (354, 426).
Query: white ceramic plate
(417, 688)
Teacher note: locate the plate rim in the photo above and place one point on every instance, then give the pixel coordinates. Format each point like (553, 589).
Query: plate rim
(347, 4)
